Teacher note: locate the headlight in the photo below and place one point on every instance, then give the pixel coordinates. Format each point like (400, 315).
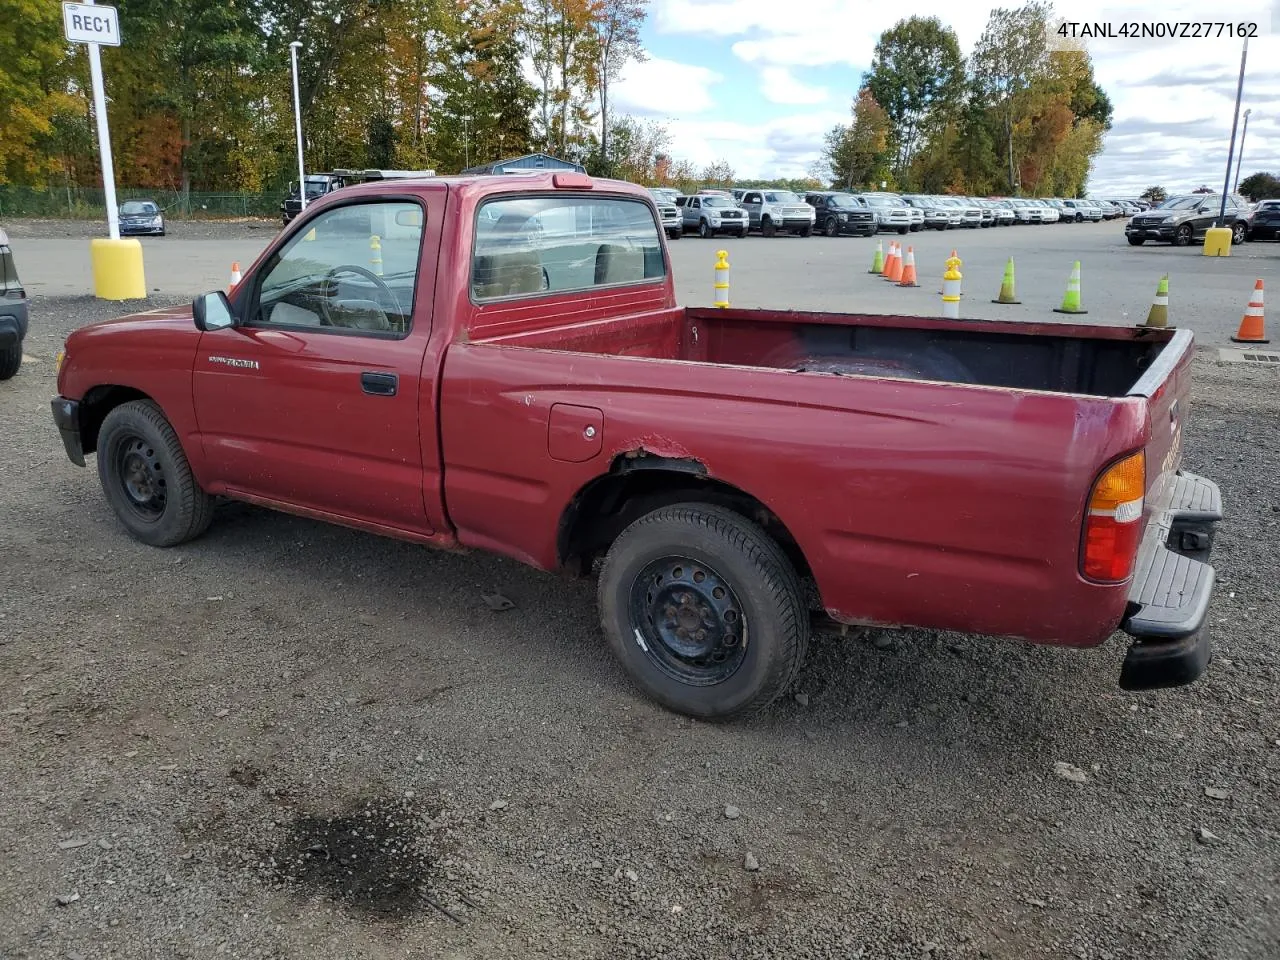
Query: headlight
(156, 221)
(844, 217)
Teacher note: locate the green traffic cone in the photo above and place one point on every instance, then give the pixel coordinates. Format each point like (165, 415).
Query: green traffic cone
(1071, 299)
(1159, 313)
(877, 263)
(1006, 286)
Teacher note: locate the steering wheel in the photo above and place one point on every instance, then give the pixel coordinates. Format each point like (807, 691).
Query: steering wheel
(369, 275)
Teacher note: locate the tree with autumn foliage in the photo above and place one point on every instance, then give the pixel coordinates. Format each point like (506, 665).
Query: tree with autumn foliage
(857, 155)
(35, 72)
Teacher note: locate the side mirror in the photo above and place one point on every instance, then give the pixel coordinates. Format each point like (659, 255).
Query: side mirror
(212, 311)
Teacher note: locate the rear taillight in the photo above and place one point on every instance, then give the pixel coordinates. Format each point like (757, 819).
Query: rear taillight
(1113, 525)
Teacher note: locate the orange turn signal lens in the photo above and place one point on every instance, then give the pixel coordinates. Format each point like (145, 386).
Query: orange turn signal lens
(1113, 524)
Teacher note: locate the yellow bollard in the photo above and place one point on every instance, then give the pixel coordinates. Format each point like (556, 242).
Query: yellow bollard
(375, 254)
(722, 279)
(117, 269)
(951, 287)
(1217, 242)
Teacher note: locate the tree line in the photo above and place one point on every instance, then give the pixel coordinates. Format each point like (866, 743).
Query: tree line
(1014, 117)
(200, 93)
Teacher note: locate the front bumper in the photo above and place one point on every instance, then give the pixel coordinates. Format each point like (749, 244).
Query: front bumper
(66, 416)
(1159, 231)
(1169, 598)
(13, 322)
(147, 231)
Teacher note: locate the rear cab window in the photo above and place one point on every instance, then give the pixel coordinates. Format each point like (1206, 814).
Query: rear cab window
(529, 246)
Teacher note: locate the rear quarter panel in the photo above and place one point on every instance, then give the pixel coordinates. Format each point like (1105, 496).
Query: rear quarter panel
(916, 503)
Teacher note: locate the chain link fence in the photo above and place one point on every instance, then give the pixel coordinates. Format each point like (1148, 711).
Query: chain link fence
(89, 203)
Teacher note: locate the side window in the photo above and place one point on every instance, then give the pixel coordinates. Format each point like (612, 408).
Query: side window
(751, 198)
(353, 268)
(696, 203)
(559, 244)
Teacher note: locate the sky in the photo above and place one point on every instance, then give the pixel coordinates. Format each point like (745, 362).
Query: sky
(759, 82)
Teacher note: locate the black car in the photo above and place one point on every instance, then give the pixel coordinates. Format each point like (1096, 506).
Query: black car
(141, 218)
(1184, 219)
(13, 312)
(840, 213)
(1264, 222)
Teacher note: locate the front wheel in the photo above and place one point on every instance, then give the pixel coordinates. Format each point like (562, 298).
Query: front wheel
(806, 231)
(1183, 237)
(704, 230)
(146, 478)
(1137, 241)
(830, 227)
(1237, 234)
(903, 230)
(704, 611)
(768, 228)
(674, 234)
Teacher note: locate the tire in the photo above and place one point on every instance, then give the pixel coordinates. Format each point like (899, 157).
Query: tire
(768, 228)
(1079, 218)
(674, 234)
(10, 361)
(705, 231)
(742, 233)
(1136, 241)
(830, 227)
(1237, 234)
(902, 231)
(806, 231)
(137, 447)
(696, 543)
(1182, 238)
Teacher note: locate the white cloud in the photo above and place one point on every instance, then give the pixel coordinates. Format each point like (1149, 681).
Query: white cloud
(778, 85)
(650, 87)
(783, 147)
(1164, 84)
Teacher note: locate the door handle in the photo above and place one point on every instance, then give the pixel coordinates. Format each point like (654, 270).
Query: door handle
(379, 384)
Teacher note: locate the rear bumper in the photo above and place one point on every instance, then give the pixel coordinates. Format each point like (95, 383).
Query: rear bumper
(13, 322)
(1169, 598)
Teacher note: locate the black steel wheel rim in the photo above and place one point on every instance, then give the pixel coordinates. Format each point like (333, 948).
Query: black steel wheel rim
(688, 621)
(141, 477)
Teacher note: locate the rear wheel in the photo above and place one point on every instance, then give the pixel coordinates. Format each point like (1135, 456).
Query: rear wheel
(703, 610)
(10, 361)
(146, 478)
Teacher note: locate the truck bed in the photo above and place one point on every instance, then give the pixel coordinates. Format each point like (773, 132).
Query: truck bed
(1063, 358)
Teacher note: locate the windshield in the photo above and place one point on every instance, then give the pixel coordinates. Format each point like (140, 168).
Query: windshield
(717, 202)
(1181, 203)
(843, 200)
(781, 196)
(138, 208)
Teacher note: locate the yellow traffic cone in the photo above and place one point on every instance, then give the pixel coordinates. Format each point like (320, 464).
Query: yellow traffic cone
(1158, 316)
(1071, 299)
(1007, 294)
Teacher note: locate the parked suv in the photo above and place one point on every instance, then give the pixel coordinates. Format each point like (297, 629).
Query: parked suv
(774, 210)
(710, 215)
(892, 212)
(669, 211)
(1183, 219)
(1264, 221)
(13, 312)
(840, 213)
(933, 214)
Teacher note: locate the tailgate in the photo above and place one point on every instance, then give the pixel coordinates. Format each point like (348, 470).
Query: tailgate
(1167, 388)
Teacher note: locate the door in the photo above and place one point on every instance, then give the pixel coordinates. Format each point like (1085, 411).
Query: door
(752, 202)
(312, 400)
(692, 211)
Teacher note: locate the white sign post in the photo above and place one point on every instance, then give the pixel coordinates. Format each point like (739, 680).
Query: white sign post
(93, 26)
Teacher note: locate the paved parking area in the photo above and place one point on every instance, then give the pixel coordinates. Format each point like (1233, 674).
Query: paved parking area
(290, 740)
(1207, 294)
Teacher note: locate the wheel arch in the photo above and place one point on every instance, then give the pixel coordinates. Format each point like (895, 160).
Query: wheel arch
(607, 504)
(99, 401)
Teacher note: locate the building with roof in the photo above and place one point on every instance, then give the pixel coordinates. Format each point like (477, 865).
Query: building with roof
(533, 161)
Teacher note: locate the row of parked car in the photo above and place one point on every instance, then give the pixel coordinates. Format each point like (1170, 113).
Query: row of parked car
(737, 212)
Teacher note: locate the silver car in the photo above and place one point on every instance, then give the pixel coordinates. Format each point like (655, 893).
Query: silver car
(892, 212)
(774, 210)
(710, 215)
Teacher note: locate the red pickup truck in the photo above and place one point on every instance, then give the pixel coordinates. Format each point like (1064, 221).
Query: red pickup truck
(499, 363)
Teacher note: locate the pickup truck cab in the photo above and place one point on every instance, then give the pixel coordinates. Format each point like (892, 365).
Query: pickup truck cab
(507, 369)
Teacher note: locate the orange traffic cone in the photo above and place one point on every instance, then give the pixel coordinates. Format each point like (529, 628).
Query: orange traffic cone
(909, 269)
(1251, 327)
(893, 269)
(235, 275)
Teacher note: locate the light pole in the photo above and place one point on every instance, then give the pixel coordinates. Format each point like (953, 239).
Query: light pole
(1226, 181)
(297, 121)
(1240, 156)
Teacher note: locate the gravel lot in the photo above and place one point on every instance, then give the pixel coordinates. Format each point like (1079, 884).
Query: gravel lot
(292, 740)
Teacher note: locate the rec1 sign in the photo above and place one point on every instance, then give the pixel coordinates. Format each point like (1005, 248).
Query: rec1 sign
(86, 23)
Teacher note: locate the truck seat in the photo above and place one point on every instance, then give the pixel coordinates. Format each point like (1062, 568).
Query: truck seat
(507, 274)
(618, 264)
